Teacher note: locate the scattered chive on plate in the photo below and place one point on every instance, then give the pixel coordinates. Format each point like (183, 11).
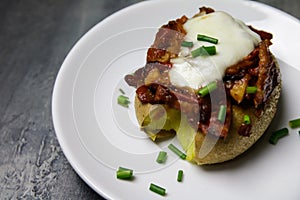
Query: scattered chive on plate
(123, 100)
(124, 173)
(157, 189)
(162, 157)
(276, 135)
(179, 175)
(294, 123)
(175, 150)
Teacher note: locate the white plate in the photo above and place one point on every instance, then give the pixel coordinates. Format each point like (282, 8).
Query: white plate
(97, 135)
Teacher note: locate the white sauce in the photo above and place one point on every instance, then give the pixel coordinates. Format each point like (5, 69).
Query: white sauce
(236, 41)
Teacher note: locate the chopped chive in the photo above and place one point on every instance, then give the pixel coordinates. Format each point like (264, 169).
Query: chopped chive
(204, 51)
(247, 119)
(124, 169)
(294, 123)
(222, 113)
(162, 156)
(251, 89)
(211, 50)
(177, 151)
(124, 173)
(157, 189)
(275, 136)
(207, 89)
(206, 38)
(123, 100)
(122, 91)
(179, 175)
(187, 44)
(196, 52)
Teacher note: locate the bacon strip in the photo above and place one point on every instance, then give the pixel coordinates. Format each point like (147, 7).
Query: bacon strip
(265, 79)
(167, 42)
(257, 69)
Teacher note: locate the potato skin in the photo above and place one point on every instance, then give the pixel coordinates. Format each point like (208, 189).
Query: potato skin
(234, 144)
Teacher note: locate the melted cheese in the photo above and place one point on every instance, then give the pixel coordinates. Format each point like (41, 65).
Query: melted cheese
(236, 41)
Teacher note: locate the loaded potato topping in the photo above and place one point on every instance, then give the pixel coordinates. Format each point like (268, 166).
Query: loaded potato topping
(202, 66)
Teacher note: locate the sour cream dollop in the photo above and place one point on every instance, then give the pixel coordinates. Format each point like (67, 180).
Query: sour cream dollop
(235, 41)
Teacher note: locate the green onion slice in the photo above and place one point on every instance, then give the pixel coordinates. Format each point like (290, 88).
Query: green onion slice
(157, 189)
(207, 89)
(294, 123)
(124, 169)
(206, 38)
(247, 119)
(222, 113)
(162, 156)
(179, 175)
(204, 51)
(123, 100)
(197, 52)
(187, 44)
(275, 136)
(251, 89)
(124, 173)
(177, 151)
(122, 91)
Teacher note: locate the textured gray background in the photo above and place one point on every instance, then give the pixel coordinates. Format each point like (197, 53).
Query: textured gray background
(35, 37)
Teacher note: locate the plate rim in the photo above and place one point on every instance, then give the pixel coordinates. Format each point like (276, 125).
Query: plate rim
(69, 154)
